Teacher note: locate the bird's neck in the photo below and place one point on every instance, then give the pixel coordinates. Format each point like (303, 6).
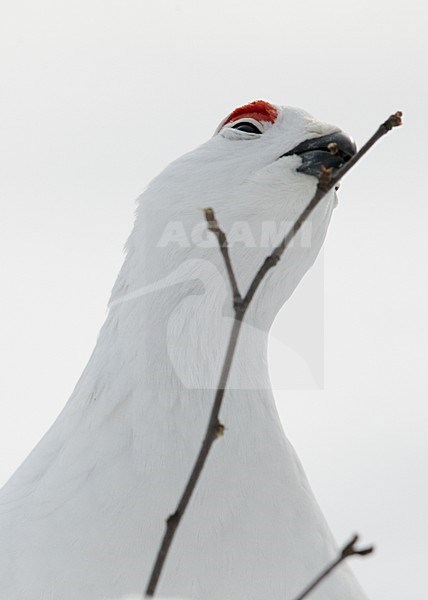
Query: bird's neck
(174, 338)
(172, 313)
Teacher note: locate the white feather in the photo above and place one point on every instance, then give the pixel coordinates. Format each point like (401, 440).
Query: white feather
(84, 515)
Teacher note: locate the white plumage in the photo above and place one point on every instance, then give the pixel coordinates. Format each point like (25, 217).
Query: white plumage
(83, 517)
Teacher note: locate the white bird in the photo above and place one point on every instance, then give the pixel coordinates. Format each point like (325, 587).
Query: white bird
(83, 517)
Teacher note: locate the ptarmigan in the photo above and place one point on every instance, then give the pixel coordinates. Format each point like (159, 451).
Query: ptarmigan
(83, 517)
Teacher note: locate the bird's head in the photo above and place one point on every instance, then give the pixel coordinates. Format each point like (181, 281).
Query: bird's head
(284, 132)
(258, 172)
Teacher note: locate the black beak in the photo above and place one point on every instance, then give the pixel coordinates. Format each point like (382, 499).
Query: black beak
(329, 151)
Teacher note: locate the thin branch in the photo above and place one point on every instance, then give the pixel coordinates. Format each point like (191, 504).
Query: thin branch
(325, 184)
(348, 550)
(215, 429)
(224, 249)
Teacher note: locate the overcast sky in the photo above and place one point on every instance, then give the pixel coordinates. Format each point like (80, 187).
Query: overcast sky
(99, 95)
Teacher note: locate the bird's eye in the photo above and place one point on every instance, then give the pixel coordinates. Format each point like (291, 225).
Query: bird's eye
(247, 127)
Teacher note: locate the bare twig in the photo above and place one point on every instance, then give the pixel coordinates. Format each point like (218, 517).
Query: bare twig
(325, 184)
(224, 249)
(348, 550)
(215, 429)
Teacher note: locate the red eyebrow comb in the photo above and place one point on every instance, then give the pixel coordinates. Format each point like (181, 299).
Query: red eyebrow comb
(258, 110)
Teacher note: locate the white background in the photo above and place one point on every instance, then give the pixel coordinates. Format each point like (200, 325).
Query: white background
(98, 96)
